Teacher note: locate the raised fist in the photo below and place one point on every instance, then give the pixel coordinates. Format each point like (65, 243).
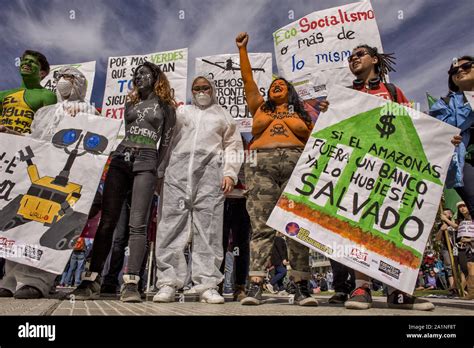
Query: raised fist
(242, 39)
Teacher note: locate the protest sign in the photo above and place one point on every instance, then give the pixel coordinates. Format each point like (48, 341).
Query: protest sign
(224, 70)
(47, 189)
(120, 72)
(367, 187)
(87, 68)
(322, 41)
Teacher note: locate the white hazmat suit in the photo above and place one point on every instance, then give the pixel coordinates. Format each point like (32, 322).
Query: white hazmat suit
(206, 147)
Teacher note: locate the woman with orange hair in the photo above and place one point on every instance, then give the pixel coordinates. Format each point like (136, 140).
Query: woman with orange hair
(150, 115)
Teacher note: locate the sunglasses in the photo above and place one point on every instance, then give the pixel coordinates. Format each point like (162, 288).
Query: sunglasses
(358, 54)
(57, 75)
(465, 66)
(201, 88)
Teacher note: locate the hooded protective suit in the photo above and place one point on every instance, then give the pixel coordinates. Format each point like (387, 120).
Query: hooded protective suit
(47, 118)
(203, 151)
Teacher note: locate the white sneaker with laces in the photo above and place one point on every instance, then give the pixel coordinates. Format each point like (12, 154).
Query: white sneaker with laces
(165, 294)
(212, 296)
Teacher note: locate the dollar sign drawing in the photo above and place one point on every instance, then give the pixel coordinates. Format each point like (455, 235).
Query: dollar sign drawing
(387, 128)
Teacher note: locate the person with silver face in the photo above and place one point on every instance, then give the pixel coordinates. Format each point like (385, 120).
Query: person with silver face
(135, 165)
(202, 168)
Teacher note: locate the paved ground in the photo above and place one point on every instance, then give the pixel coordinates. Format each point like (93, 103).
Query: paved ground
(189, 306)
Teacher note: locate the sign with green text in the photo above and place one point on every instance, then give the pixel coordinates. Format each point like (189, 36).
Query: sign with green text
(366, 190)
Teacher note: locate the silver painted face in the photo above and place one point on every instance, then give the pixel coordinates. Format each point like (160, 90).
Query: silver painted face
(144, 78)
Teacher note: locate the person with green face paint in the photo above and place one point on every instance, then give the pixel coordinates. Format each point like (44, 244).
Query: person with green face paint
(19, 105)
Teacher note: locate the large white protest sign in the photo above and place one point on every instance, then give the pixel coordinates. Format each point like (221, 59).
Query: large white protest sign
(224, 70)
(47, 189)
(120, 73)
(87, 68)
(322, 41)
(367, 187)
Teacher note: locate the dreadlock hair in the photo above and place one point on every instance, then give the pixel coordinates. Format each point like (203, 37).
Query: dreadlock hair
(385, 61)
(293, 100)
(161, 86)
(451, 84)
(43, 62)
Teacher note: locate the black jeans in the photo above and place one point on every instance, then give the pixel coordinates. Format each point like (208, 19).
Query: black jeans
(130, 169)
(237, 222)
(340, 275)
(117, 255)
(467, 191)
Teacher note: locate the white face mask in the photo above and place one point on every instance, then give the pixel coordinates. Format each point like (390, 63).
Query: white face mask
(203, 99)
(64, 87)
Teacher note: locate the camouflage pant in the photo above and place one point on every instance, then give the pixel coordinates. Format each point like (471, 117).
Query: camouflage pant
(265, 182)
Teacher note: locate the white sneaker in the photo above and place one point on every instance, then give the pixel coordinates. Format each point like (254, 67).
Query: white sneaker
(165, 294)
(191, 291)
(211, 296)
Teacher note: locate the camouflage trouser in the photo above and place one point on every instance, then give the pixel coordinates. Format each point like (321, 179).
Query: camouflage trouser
(265, 182)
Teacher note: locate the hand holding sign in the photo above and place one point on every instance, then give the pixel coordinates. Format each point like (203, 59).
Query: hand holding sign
(456, 140)
(323, 105)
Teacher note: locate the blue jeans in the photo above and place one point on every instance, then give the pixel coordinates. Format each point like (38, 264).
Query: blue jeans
(280, 273)
(76, 265)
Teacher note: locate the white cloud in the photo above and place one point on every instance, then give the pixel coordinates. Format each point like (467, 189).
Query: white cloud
(392, 15)
(430, 52)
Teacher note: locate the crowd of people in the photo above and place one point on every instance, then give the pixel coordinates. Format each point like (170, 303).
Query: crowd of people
(211, 203)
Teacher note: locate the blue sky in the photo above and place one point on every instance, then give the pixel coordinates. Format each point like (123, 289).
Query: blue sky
(430, 34)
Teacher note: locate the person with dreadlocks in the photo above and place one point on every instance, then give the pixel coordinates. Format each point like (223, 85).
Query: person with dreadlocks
(135, 165)
(280, 130)
(371, 69)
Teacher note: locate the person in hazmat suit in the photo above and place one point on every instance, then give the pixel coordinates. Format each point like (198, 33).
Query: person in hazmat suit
(203, 167)
(71, 88)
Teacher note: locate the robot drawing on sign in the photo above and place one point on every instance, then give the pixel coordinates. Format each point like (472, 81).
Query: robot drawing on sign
(50, 200)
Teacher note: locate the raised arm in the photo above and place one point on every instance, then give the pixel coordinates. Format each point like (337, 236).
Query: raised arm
(254, 98)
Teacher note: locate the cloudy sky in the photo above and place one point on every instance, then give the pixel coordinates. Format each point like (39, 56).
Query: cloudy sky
(425, 40)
